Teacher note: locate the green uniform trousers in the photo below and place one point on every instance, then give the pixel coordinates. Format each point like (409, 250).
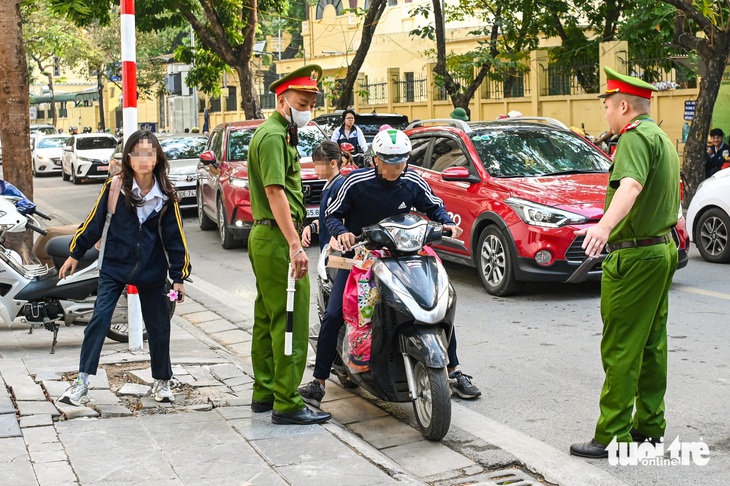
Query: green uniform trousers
(276, 376)
(634, 307)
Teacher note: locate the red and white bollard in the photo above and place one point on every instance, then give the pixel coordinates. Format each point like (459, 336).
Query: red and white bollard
(129, 69)
(135, 320)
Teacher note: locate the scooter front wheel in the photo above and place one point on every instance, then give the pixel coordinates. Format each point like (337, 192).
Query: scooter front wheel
(433, 401)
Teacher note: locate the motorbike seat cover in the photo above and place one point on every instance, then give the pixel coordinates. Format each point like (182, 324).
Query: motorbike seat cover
(58, 249)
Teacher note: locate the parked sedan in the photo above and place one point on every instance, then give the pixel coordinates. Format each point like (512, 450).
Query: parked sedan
(86, 156)
(519, 189)
(47, 154)
(183, 153)
(708, 218)
(223, 197)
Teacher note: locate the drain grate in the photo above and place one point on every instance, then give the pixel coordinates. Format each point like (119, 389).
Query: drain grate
(503, 477)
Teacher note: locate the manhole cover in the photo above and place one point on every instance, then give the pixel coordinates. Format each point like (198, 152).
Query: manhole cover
(503, 477)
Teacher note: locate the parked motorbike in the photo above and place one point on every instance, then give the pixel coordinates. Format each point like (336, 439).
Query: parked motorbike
(411, 324)
(37, 294)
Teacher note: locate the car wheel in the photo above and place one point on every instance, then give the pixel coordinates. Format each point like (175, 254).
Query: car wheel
(74, 178)
(713, 235)
(205, 223)
(227, 239)
(64, 176)
(495, 263)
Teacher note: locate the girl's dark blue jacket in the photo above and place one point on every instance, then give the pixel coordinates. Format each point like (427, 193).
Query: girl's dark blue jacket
(137, 254)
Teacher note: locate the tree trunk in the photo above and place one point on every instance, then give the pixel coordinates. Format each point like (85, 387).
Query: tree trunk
(250, 104)
(696, 147)
(15, 115)
(376, 9)
(100, 89)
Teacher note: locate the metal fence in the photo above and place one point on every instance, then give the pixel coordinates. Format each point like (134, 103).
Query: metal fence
(267, 101)
(572, 80)
(664, 73)
(376, 92)
(411, 89)
(215, 105)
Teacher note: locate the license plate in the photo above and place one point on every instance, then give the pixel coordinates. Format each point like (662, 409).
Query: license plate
(190, 193)
(312, 212)
(103, 167)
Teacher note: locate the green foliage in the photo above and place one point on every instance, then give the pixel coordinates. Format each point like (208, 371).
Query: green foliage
(206, 69)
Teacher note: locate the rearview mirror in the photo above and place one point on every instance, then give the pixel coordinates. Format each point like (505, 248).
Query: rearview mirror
(458, 174)
(208, 157)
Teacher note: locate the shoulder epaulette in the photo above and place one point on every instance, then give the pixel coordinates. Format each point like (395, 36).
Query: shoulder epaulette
(631, 126)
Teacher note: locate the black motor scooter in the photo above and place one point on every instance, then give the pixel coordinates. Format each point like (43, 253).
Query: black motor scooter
(411, 325)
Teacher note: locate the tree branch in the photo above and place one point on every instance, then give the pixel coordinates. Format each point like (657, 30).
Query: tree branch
(693, 14)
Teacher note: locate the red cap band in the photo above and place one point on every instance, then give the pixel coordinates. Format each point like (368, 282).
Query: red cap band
(304, 83)
(617, 86)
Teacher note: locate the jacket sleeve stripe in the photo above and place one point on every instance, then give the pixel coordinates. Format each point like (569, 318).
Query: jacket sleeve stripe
(186, 264)
(91, 215)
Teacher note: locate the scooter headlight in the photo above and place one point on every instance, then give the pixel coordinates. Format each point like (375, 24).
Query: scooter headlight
(407, 238)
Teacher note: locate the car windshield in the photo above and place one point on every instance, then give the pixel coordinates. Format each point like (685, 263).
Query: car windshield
(54, 142)
(177, 148)
(309, 137)
(44, 130)
(534, 153)
(238, 142)
(94, 143)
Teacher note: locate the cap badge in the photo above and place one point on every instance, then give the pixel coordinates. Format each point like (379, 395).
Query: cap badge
(314, 75)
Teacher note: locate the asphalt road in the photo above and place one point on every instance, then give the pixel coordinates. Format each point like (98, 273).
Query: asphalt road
(535, 356)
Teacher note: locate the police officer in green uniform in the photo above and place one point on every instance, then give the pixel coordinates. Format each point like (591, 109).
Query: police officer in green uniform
(642, 203)
(277, 203)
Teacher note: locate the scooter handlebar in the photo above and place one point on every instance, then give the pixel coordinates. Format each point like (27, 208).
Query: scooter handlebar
(447, 232)
(36, 229)
(42, 214)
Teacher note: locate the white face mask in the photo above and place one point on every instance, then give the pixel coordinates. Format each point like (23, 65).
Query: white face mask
(301, 118)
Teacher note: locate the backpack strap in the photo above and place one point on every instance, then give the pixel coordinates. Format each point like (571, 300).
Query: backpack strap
(114, 189)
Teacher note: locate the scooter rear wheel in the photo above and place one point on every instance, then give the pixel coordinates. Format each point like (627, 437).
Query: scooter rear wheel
(433, 402)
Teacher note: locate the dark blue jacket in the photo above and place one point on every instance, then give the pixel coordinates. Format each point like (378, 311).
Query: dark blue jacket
(328, 194)
(137, 254)
(364, 199)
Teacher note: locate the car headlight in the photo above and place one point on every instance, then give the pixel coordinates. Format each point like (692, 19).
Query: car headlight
(239, 182)
(544, 216)
(43, 158)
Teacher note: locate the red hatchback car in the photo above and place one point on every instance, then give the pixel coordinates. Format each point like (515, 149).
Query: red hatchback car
(519, 188)
(222, 194)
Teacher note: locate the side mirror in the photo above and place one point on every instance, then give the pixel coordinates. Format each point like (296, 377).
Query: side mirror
(208, 157)
(459, 174)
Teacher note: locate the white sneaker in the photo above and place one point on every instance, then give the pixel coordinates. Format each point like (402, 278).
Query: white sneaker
(75, 395)
(162, 392)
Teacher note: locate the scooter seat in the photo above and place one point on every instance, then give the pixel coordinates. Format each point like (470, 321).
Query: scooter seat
(58, 250)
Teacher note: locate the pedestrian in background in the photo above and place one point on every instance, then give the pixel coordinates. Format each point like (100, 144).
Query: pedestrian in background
(277, 204)
(145, 242)
(642, 202)
(349, 132)
(717, 154)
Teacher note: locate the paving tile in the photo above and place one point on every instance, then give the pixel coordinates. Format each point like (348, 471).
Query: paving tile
(133, 389)
(55, 388)
(353, 409)
(426, 458)
(203, 316)
(286, 451)
(41, 420)
(28, 390)
(47, 452)
(6, 404)
(218, 325)
(57, 473)
(143, 375)
(259, 426)
(238, 381)
(103, 397)
(236, 336)
(47, 375)
(40, 435)
(179, 370)
(37, 408)
(99, 381)
(70, 412)
(151, 403)
(188, 308)
(242, 349)
(230, 413)
(15, 462)
(9, 426)
(112, 411)
(225, 371)
(360, 472)
(386, 431)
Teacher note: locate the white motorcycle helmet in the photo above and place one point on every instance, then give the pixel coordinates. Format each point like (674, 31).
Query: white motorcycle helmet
(392, 146)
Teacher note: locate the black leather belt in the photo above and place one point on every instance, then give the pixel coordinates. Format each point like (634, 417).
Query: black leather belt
(637, 243)
(273, 224)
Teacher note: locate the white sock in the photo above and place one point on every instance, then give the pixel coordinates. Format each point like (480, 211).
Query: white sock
(83, 378)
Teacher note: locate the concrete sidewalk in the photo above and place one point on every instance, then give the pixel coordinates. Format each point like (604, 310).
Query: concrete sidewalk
(210, 436)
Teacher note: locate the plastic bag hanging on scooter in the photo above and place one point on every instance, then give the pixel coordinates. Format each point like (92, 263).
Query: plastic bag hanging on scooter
(358, 306)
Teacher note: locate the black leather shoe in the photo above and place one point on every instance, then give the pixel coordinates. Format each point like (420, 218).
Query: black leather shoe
(591, 449)
(261, 407)
(637, 436)
(304, 416)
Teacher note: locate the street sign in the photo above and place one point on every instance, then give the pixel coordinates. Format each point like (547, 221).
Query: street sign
(689, 109)
(33, 113)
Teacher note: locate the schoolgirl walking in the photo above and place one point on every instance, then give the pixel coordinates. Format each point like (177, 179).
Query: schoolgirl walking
(143, 243)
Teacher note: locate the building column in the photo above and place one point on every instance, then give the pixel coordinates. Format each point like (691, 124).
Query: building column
(539, 61)
(393, 76)
(614, 54)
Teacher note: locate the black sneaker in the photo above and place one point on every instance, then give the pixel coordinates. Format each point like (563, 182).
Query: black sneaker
(312, 393)
(461, 385)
